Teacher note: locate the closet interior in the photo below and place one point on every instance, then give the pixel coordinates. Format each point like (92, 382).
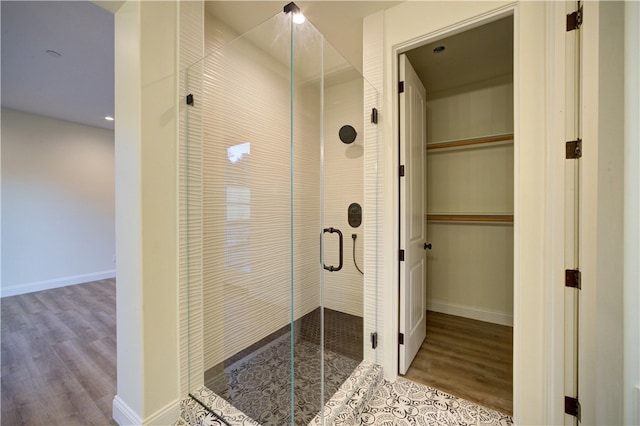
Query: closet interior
(469, 203)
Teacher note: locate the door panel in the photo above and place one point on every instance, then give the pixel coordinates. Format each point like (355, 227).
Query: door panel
(412, 217)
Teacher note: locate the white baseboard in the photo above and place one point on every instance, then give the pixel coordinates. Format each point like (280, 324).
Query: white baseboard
(124, 415)
(165, 416)
(58, 282)
(472, 312)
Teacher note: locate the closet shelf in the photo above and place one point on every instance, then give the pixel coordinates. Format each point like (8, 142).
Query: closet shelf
(470, 217)
(468, 142)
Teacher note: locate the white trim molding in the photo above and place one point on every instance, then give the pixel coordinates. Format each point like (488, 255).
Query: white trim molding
(124, 415)
(166, 415)
(55, 283)
(487, 315)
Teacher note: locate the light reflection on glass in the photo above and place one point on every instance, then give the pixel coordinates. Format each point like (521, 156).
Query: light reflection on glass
(236, 152)
(238, 208)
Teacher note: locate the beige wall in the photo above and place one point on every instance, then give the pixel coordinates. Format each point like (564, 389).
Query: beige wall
(146, 59)
(601, 357)
(631, 376)
(481, 109)
(470, 268)
(58, 203)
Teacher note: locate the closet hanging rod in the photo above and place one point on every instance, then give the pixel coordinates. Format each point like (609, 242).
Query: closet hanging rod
(486, 218)
(467, 142)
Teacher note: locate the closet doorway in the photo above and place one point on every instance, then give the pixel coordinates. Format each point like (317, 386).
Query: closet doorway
(466, 205)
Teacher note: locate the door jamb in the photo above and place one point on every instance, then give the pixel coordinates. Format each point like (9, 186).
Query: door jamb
(507, 10)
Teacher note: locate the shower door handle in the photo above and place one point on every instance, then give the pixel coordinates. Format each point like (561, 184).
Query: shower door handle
(332, 268)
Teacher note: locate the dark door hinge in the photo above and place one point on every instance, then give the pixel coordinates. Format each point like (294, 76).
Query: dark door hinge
(401, 87)
(374, 340)
(401, 171)
(401, 338)
(574, 149)
(572, 407)
(401, 255)
(572, 278)
(190, 99)
(374, 115)
(574, 20)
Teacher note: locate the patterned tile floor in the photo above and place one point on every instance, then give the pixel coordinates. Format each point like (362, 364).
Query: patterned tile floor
(399, 403)
(404, 402)
(259, 385)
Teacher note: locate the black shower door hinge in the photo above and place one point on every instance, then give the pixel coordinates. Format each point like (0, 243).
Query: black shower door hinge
(401, 255)
(572, 278)
(574, 20)
(374, 340)
(291, 7)
(190, 99)
(572, 407)
(573, 149)
(401, 171)
(401, 87)
(401, 338)
(374, 115)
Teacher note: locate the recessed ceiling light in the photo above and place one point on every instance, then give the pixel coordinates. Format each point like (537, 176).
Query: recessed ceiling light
(54, 53)
(108, 118)
(439, 49)
(298, 18)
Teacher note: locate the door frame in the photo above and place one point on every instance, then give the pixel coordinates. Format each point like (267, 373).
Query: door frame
(548, 362)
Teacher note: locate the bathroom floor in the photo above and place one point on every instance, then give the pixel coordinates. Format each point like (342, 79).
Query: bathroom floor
(404, 403)
(399, 403)
(467, 358)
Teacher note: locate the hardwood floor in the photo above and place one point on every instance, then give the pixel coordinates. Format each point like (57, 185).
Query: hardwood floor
(467, 358)
(59, 356)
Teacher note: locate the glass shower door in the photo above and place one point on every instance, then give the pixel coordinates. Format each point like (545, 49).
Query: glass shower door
(247, 221)
(274, 197)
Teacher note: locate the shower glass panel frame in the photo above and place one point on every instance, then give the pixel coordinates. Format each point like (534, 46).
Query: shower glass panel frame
(268, 254)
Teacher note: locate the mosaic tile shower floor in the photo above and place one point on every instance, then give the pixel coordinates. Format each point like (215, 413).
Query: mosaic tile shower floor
(259, 385)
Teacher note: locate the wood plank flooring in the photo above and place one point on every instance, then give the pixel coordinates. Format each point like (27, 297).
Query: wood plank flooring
(59, 356)
(467, 358)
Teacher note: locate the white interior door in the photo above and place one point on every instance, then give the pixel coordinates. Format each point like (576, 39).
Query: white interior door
(413, 324)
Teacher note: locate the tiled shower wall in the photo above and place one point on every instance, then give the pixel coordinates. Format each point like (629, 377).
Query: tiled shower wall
(246, 201)
(343, 186)
(208, 295)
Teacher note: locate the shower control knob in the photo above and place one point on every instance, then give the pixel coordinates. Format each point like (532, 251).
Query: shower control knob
(427, 246)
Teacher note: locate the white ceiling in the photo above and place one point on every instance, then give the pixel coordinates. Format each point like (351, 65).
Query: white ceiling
(479, 54)
(78, 86)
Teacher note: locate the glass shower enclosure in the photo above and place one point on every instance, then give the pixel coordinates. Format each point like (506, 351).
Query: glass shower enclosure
(281, 234)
